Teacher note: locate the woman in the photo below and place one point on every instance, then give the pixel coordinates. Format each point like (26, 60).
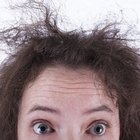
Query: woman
(69, 85)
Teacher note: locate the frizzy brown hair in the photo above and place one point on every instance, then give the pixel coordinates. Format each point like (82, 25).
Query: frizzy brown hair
(104, 50)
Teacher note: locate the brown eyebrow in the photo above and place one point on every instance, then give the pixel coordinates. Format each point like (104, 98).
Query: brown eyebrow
(44, 108)
(56, 111)
(99, 108)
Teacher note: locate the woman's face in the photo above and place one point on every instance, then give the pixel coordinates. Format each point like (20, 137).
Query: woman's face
(64, 104)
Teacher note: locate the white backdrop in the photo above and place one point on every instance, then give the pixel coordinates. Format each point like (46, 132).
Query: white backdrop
(81, 12)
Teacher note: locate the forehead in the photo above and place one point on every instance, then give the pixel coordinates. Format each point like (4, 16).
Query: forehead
(60, 85)
(61, 75)
(66, 81)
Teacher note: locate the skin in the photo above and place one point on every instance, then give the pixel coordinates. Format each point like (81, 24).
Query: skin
(71, 102)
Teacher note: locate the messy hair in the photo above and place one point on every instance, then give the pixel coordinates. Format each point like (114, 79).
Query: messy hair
(104, 50)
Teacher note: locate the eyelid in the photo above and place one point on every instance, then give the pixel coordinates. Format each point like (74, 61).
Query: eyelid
(42, 121)
(94, 123)
(98, 122)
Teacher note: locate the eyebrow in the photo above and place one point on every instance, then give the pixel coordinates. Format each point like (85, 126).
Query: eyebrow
(56, 111)
(44, 108)
(98, 109)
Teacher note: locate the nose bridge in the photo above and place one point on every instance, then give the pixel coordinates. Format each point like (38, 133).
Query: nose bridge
(70, 133)
(70, 129)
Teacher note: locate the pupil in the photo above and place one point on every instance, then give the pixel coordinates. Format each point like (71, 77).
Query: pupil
(99, 129)
(42, 128)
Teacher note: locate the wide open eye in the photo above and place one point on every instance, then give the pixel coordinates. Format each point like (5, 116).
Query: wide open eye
(42, 128)
(97, 129)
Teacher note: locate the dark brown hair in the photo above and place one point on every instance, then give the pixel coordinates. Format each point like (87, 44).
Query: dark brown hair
(103, 50)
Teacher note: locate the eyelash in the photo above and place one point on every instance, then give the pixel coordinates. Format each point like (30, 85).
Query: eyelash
(43, 122)
(105, 123)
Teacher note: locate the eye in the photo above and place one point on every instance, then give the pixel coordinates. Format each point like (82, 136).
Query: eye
(42, 128)
(97, 129)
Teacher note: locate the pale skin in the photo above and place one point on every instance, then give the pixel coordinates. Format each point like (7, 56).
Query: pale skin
(66, 104)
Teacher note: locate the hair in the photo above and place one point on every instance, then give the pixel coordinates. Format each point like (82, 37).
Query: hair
(104, 50)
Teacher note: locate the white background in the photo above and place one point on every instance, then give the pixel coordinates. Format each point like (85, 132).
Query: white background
(81, 13)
